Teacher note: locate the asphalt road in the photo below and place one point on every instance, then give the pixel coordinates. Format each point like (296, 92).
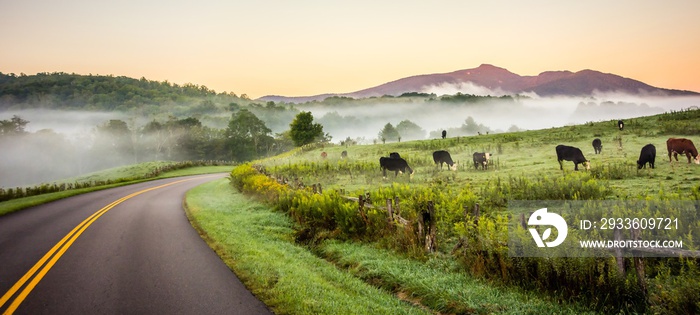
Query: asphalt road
(86, 255)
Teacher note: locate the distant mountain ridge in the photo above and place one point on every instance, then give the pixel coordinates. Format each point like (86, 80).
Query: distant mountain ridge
(549, 83)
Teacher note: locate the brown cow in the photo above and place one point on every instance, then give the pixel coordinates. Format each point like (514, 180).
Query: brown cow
(682, 146)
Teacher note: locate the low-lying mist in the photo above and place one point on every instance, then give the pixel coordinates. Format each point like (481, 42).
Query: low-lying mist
(48, 145)
(528, 113)
(67, 122)
(61, 144)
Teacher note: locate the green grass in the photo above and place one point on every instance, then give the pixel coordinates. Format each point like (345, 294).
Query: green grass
(257, 243)
(437, 283)
(528, 154)
(141, 169)
(115, 173)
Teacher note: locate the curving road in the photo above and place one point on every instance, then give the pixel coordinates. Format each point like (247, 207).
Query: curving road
(126, 250)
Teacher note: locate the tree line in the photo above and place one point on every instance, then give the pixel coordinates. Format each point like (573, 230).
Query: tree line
(165, 102)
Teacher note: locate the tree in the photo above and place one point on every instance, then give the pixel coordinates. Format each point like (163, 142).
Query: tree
(154, 138)
(247, 135)
(410, 131)
(233, 106)
(389, 133)
(471, 127)
(14, 126)
(183, 139)
(113, 145)
(304, 131)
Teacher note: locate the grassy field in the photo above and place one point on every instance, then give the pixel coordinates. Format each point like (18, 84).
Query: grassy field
(524, 166)
(527, 154)
(258, 244)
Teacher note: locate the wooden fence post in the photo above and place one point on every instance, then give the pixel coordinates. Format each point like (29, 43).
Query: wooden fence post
(397, 209)
(361, 207)
(617, 234)
(389, 210)
(639, 265)
(430, 243)
(619, 139)
(477, 213)
(420, 227)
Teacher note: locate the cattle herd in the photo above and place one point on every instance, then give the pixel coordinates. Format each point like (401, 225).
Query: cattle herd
(675, 146)
(647, 155)
(394, 162)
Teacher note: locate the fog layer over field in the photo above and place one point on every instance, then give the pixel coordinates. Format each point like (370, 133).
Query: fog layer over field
(56, 145)
(367, 121)
(62, 144)
(73, 124)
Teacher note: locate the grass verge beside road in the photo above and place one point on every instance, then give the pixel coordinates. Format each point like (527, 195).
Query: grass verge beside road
(257, 243)
(110, 174)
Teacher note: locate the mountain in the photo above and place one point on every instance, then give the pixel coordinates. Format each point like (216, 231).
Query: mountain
(500, 80)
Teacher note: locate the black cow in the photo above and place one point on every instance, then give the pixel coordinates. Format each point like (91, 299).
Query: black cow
(597, 145)
(620, 124)
(573, 154)
(481, 159)
(394, 155)
(442, 156)
(444, 134)
(394, 164)
(648, 155)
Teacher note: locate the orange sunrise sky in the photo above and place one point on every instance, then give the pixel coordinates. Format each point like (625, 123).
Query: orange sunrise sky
(299, 48)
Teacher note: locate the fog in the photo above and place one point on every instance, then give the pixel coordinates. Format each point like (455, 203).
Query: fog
(73, 124)
(58, 145)
(63, 144)
(526, 113)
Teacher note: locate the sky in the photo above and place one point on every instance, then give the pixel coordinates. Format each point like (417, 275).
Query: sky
(304, 47)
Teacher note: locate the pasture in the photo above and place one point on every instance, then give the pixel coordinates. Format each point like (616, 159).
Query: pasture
(523, 166)
(528, 154)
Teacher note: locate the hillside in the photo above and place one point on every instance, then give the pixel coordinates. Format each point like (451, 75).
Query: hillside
(60, 90)
(499, 80)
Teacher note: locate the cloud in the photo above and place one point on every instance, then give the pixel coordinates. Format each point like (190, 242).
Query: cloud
(464, 88)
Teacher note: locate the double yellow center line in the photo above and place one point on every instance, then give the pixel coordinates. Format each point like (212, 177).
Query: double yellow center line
(39, 270)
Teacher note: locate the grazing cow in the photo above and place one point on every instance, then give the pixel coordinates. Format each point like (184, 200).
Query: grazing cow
(481, 159)
(573, 154)
(682, 146)
(344, 155)
(648, 155)
(597, 145)
(394, 164)
(444, 134)
(620, 124)
(394, 155)
(442, 156)
(324, 154)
